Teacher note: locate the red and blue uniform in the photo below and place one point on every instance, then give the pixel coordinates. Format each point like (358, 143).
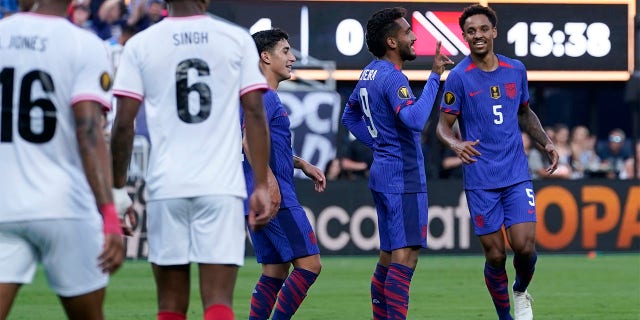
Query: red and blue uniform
(498, 184)
(289, 235)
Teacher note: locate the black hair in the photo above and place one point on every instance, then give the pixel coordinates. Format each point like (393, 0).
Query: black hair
(474, 9)
(381, 25)
(267, 40)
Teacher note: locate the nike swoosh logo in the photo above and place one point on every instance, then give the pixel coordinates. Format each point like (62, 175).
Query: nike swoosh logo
(471, 94)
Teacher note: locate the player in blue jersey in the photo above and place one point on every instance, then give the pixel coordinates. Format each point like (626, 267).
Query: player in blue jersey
(288, 239)
(383, 113)
(488, 95)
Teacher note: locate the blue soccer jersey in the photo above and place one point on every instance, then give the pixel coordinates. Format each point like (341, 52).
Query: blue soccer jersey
(487, 105)
(380, 94)
(281, 159)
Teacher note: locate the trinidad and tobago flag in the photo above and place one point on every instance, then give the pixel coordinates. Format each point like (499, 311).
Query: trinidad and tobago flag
(438, 25)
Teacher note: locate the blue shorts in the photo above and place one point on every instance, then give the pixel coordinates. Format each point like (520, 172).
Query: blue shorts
(287, 237)
(490, 209)
(402, 219)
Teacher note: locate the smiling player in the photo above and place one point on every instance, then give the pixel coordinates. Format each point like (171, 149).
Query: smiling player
(383, 113)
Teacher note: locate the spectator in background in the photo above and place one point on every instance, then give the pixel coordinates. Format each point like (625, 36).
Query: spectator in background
(109, 19)
(561, 134)
(357, 159)
(80, 15)
(614, 153)
(585, 161)
(333, 170)
(537, 164)
(143, 14)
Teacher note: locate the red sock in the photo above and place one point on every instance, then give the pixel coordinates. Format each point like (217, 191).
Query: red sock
(171, 315)
(218, 312)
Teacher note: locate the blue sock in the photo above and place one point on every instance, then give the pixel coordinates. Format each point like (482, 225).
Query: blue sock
(525, 267)
(378, 301)
(264, 297)
(498, 285)
(293, 292)
(396, 290)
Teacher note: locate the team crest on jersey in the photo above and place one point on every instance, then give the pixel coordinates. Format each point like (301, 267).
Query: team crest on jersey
(495, 92)
(511, 89)
(449, 98)
(403, 93)
(105, 81)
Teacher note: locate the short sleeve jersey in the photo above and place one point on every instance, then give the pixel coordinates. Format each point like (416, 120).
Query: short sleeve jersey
(281, 158)
(487, 105)
(46, 65)
(190, 72)
(398, 163)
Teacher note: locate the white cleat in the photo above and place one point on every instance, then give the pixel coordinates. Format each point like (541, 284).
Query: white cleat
(522, 305)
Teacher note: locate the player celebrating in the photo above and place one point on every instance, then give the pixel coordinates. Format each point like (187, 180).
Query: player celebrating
(383, 113)
(56, 176)
(288, 239)
(190, 70)
(488, 94)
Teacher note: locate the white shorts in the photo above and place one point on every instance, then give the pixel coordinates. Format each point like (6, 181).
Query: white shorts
(67, 248)
(207, 229)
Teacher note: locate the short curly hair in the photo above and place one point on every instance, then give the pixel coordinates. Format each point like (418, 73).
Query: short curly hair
(474, 9)
(380, 26)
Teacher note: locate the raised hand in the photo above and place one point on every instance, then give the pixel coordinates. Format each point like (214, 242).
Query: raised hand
(440, 61)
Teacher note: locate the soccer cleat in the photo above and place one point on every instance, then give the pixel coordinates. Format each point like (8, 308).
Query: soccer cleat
(522, 305)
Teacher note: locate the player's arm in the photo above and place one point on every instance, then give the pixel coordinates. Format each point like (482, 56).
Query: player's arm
(529, 123)
(464, 149)
(95, 161)
(415, 116)
(273, 186)
(258, 144)
(311, 171)
(122, 134)
(352, 119)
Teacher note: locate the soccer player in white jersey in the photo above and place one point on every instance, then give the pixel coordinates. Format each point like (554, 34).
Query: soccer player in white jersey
(56, 176)
(192, 72)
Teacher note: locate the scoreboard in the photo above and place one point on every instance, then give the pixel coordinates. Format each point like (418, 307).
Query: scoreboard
(557, 40)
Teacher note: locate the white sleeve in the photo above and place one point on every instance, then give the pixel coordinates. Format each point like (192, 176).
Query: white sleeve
(251, 77)
(93, 76)
(128, 81)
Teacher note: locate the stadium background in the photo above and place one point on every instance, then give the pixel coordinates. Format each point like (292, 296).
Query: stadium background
(594, 85)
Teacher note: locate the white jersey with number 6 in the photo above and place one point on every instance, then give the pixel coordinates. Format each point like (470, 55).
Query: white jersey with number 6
(190, 73)
(46, 65)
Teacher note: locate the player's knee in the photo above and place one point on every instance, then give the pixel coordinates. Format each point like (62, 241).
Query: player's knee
(496, 257)
(525, 250)
(311, 263)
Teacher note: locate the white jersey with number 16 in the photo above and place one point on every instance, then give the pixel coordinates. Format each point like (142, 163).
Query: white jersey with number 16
(46, 65)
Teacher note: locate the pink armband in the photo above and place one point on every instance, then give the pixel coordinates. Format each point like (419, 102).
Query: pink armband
(111, 222)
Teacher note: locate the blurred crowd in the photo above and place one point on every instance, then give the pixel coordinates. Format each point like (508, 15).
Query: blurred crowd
(112, 20)
(582, 155)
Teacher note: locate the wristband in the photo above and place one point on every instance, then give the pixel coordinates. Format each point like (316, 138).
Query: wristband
(111, 222)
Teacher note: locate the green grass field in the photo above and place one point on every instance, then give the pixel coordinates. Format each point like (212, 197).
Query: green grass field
(443, 287)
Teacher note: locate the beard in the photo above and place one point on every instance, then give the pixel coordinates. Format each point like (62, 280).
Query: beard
(406, 53)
